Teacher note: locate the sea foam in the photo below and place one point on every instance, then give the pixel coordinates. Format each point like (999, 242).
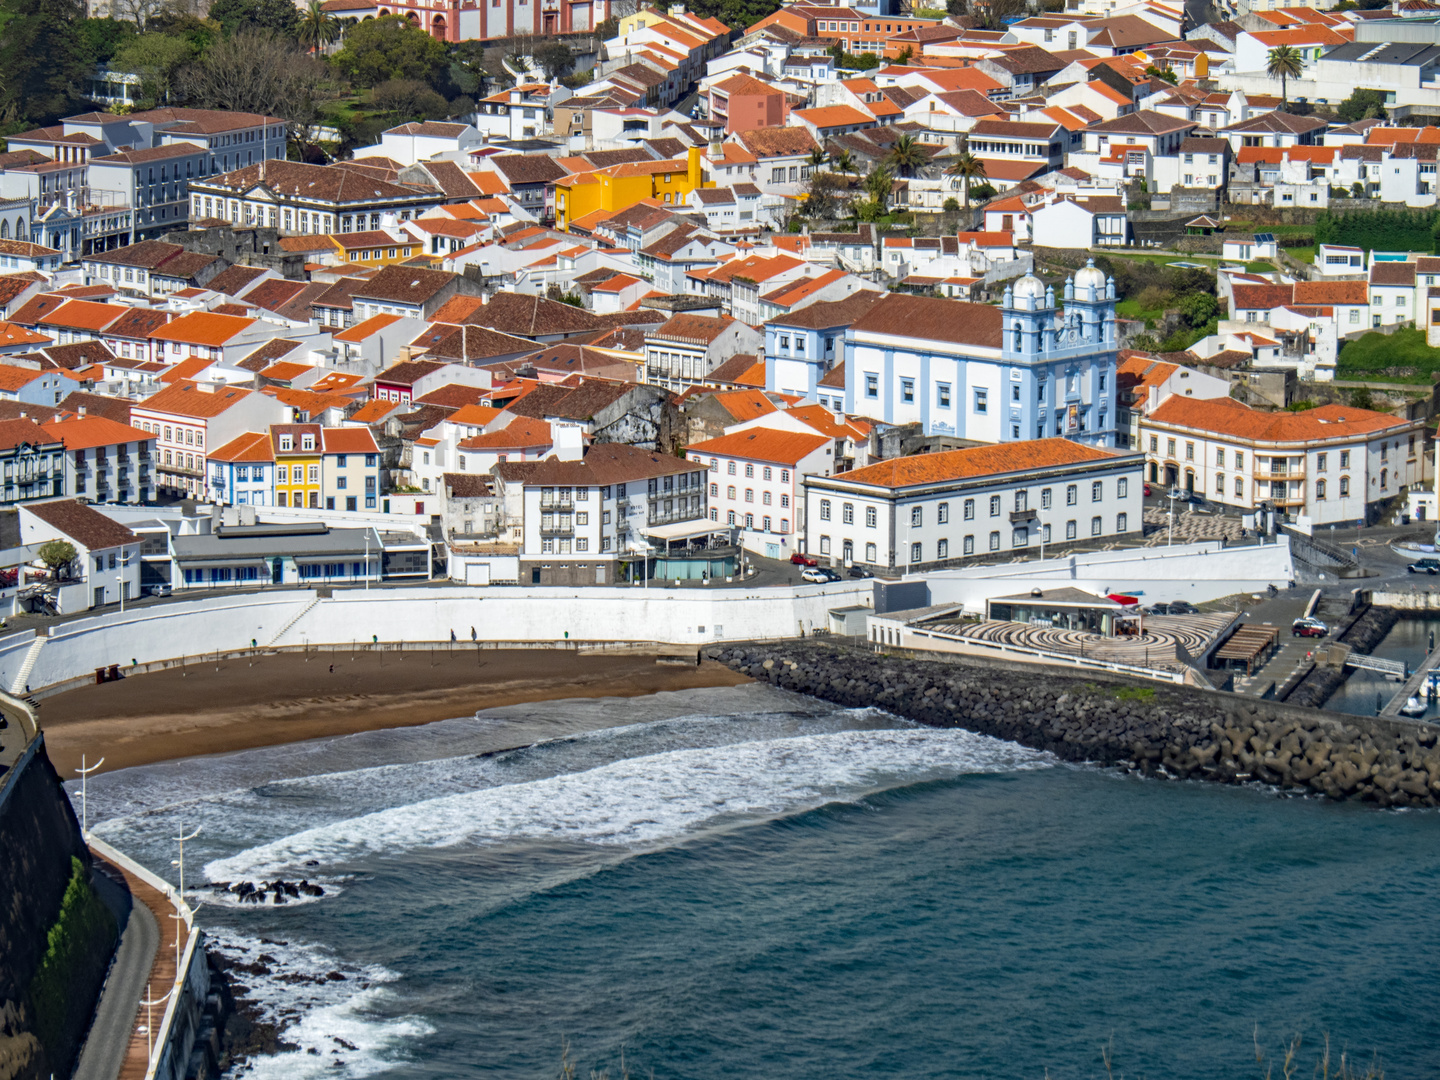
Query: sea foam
(644, 801)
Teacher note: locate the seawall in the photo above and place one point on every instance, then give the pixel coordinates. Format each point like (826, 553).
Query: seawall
(56, 938)
(1156, 729)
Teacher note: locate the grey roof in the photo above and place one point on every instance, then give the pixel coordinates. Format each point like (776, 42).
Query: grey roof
(1386, 52)
(255, 542)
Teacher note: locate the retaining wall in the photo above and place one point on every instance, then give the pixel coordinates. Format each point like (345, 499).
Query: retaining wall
(1177, 731)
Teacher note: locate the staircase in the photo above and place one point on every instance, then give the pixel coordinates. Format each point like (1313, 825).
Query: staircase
(298, 616)
(22, 677)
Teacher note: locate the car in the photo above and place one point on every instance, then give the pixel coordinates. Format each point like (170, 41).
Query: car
(1158, 609)
(817, 576)
(860, 572)
(1147, 491)
(1309, 627)
(1425, 566)
(157, 590)
(801, 559)
(1183, 607)
(829, 572)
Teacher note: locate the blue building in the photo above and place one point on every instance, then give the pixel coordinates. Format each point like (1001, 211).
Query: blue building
(802, 347)
(242, 472)
(1024, 370)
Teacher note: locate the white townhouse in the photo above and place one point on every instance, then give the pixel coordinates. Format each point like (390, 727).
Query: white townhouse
(106, 567)
(1024, 370)
(1332, 464)
(755, 479)
(914, 513)
(1392, 293)
(583, 518)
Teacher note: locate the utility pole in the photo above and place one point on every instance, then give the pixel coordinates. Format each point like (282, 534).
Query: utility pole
(84, 806)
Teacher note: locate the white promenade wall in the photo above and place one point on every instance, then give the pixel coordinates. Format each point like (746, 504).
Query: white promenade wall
(1193, 572)
(192, 628)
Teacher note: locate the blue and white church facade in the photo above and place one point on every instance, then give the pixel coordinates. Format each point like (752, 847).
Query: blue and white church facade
(1024, 370)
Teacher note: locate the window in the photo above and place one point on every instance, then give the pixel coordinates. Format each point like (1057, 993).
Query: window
(907, 390)
(1154, 444)
(942, 514)
(969, 509)
(1020, 538)
(750, 471)
(824, 545)
(1344, 459)
(1220, 483)
(1069, 530)
(1122, 488)
(942, 395)
(1344, 487)
(994, 505)
(1169, 447)
(765, 497)
(1239, 487)
(765, 473)
(872, 385)
(981, 401)
(714, 491)
(1095, 526)
(1122, 523)
(750, 495)
(1189, 451)
(968, 546)
(784, 476)
(1097, 491)
(870, 517)
(824, 509)
(870, 553)
(1022, 499)
(994, 541)
(917, 516)
(1072, 495)
(1239, 460)
(942, 549)
(730, 492)
(915, 552)
(1014, 391)
(847, 511)
(1319, 489)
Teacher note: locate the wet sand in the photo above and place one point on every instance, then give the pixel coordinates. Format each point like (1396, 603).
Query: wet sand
(289, 697)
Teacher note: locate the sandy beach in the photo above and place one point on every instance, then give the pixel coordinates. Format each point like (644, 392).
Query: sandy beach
(290, 697)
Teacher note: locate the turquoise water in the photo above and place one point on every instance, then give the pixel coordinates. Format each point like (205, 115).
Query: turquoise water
(744, 883)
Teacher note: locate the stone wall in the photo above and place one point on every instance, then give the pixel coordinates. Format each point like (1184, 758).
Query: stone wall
(1166, 730)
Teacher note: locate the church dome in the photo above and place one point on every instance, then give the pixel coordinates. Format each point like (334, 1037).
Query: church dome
(1029, 286)
(1091, 277)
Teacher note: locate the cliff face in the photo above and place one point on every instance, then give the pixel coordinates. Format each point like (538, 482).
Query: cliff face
(56, 938)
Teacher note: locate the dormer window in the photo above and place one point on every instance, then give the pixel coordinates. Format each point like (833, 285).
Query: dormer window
(286, 444)
(307, 442)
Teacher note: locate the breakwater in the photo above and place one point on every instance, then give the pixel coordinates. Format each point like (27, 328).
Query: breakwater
(1164, 730)
(1361, 633)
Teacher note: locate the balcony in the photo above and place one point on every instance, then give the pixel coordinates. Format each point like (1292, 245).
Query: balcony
(557, 528)
(551, 500)
(1021, 517)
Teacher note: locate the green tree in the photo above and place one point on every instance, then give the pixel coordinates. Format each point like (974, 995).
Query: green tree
(157, 58)
(390, 48)
(880, 184)
(43, 59)
(952, 205)
(1362, 399)
(1198, 308)
(817, 158)
(475, 77)
(1362, 105)
(1284, 62)
(278, 16)
(906, 156)
(316, 27)
(408, 99)
(259, 72)
(1167, 73)
(100, 38)
(968, 168)
(844, 162)
(58, 555)
(607, 29)
(555, 58)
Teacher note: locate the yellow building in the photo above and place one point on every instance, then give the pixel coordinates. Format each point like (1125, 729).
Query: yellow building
(375, 248)
(620, 187)
(297, 464)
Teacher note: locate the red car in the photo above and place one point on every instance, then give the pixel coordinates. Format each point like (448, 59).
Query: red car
(1147, 491)
(801, 559)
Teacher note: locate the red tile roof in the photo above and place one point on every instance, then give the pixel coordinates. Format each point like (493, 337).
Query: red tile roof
(1226, 416)
(762, 444)
(976, 461)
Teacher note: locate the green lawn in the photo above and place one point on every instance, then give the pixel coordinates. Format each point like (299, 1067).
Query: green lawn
(1305, 254)
(1399, 357)
(1131, 309)
(1259, 266)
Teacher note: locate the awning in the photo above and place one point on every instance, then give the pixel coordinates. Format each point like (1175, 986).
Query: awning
(683, 530)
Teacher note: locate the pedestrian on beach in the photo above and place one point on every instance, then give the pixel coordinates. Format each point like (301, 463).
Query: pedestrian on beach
(332, 669)
(452, 635)
(472, 633)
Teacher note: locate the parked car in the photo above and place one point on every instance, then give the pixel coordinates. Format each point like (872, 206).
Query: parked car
(1309, 627)
(1425, 566)
(816, 576)
(1183, 607)
(1147, 491)
(1158, 609)
(157, 590)
(860, 572)
(801, 559)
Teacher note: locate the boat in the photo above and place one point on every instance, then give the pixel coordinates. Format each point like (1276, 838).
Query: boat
(1416, 706)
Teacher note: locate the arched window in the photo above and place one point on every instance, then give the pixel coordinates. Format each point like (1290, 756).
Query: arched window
(1320, 489)
(20, 228)
(1384, 478)
(4, 230)
(1017, 337)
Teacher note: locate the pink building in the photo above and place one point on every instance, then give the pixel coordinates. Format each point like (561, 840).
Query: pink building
(744, 103)
(468, 20)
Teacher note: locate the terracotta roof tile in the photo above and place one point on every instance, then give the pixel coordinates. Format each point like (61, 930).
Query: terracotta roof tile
(976, 461)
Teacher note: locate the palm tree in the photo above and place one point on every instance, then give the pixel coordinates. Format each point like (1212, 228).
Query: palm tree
(906, 156)
(317, 27)
(880, 184)
(1285, 62)
(967, 167)
(843, 162)
(817, 157)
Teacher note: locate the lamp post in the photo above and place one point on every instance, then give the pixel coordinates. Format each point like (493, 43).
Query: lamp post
(180, 862)
(120, 579)
(84, 806)
(367, 560)
(150, 1004)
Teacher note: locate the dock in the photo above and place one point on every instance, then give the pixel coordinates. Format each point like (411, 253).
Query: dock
(1412, 685)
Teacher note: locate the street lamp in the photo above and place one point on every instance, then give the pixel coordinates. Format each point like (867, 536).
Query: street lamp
(120, 579)
(180, 862)
(84, 807)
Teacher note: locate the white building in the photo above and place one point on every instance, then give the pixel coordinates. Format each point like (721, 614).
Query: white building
(755, 479)
(106, 567)
(918, 512)
(1331, 464)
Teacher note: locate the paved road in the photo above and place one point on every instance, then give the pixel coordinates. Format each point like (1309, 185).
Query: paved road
(115, 1018)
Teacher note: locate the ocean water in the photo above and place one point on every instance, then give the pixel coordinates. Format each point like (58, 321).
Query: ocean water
(743, 882)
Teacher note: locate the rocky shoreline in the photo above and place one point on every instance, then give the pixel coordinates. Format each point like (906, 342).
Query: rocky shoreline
(1162, 730)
